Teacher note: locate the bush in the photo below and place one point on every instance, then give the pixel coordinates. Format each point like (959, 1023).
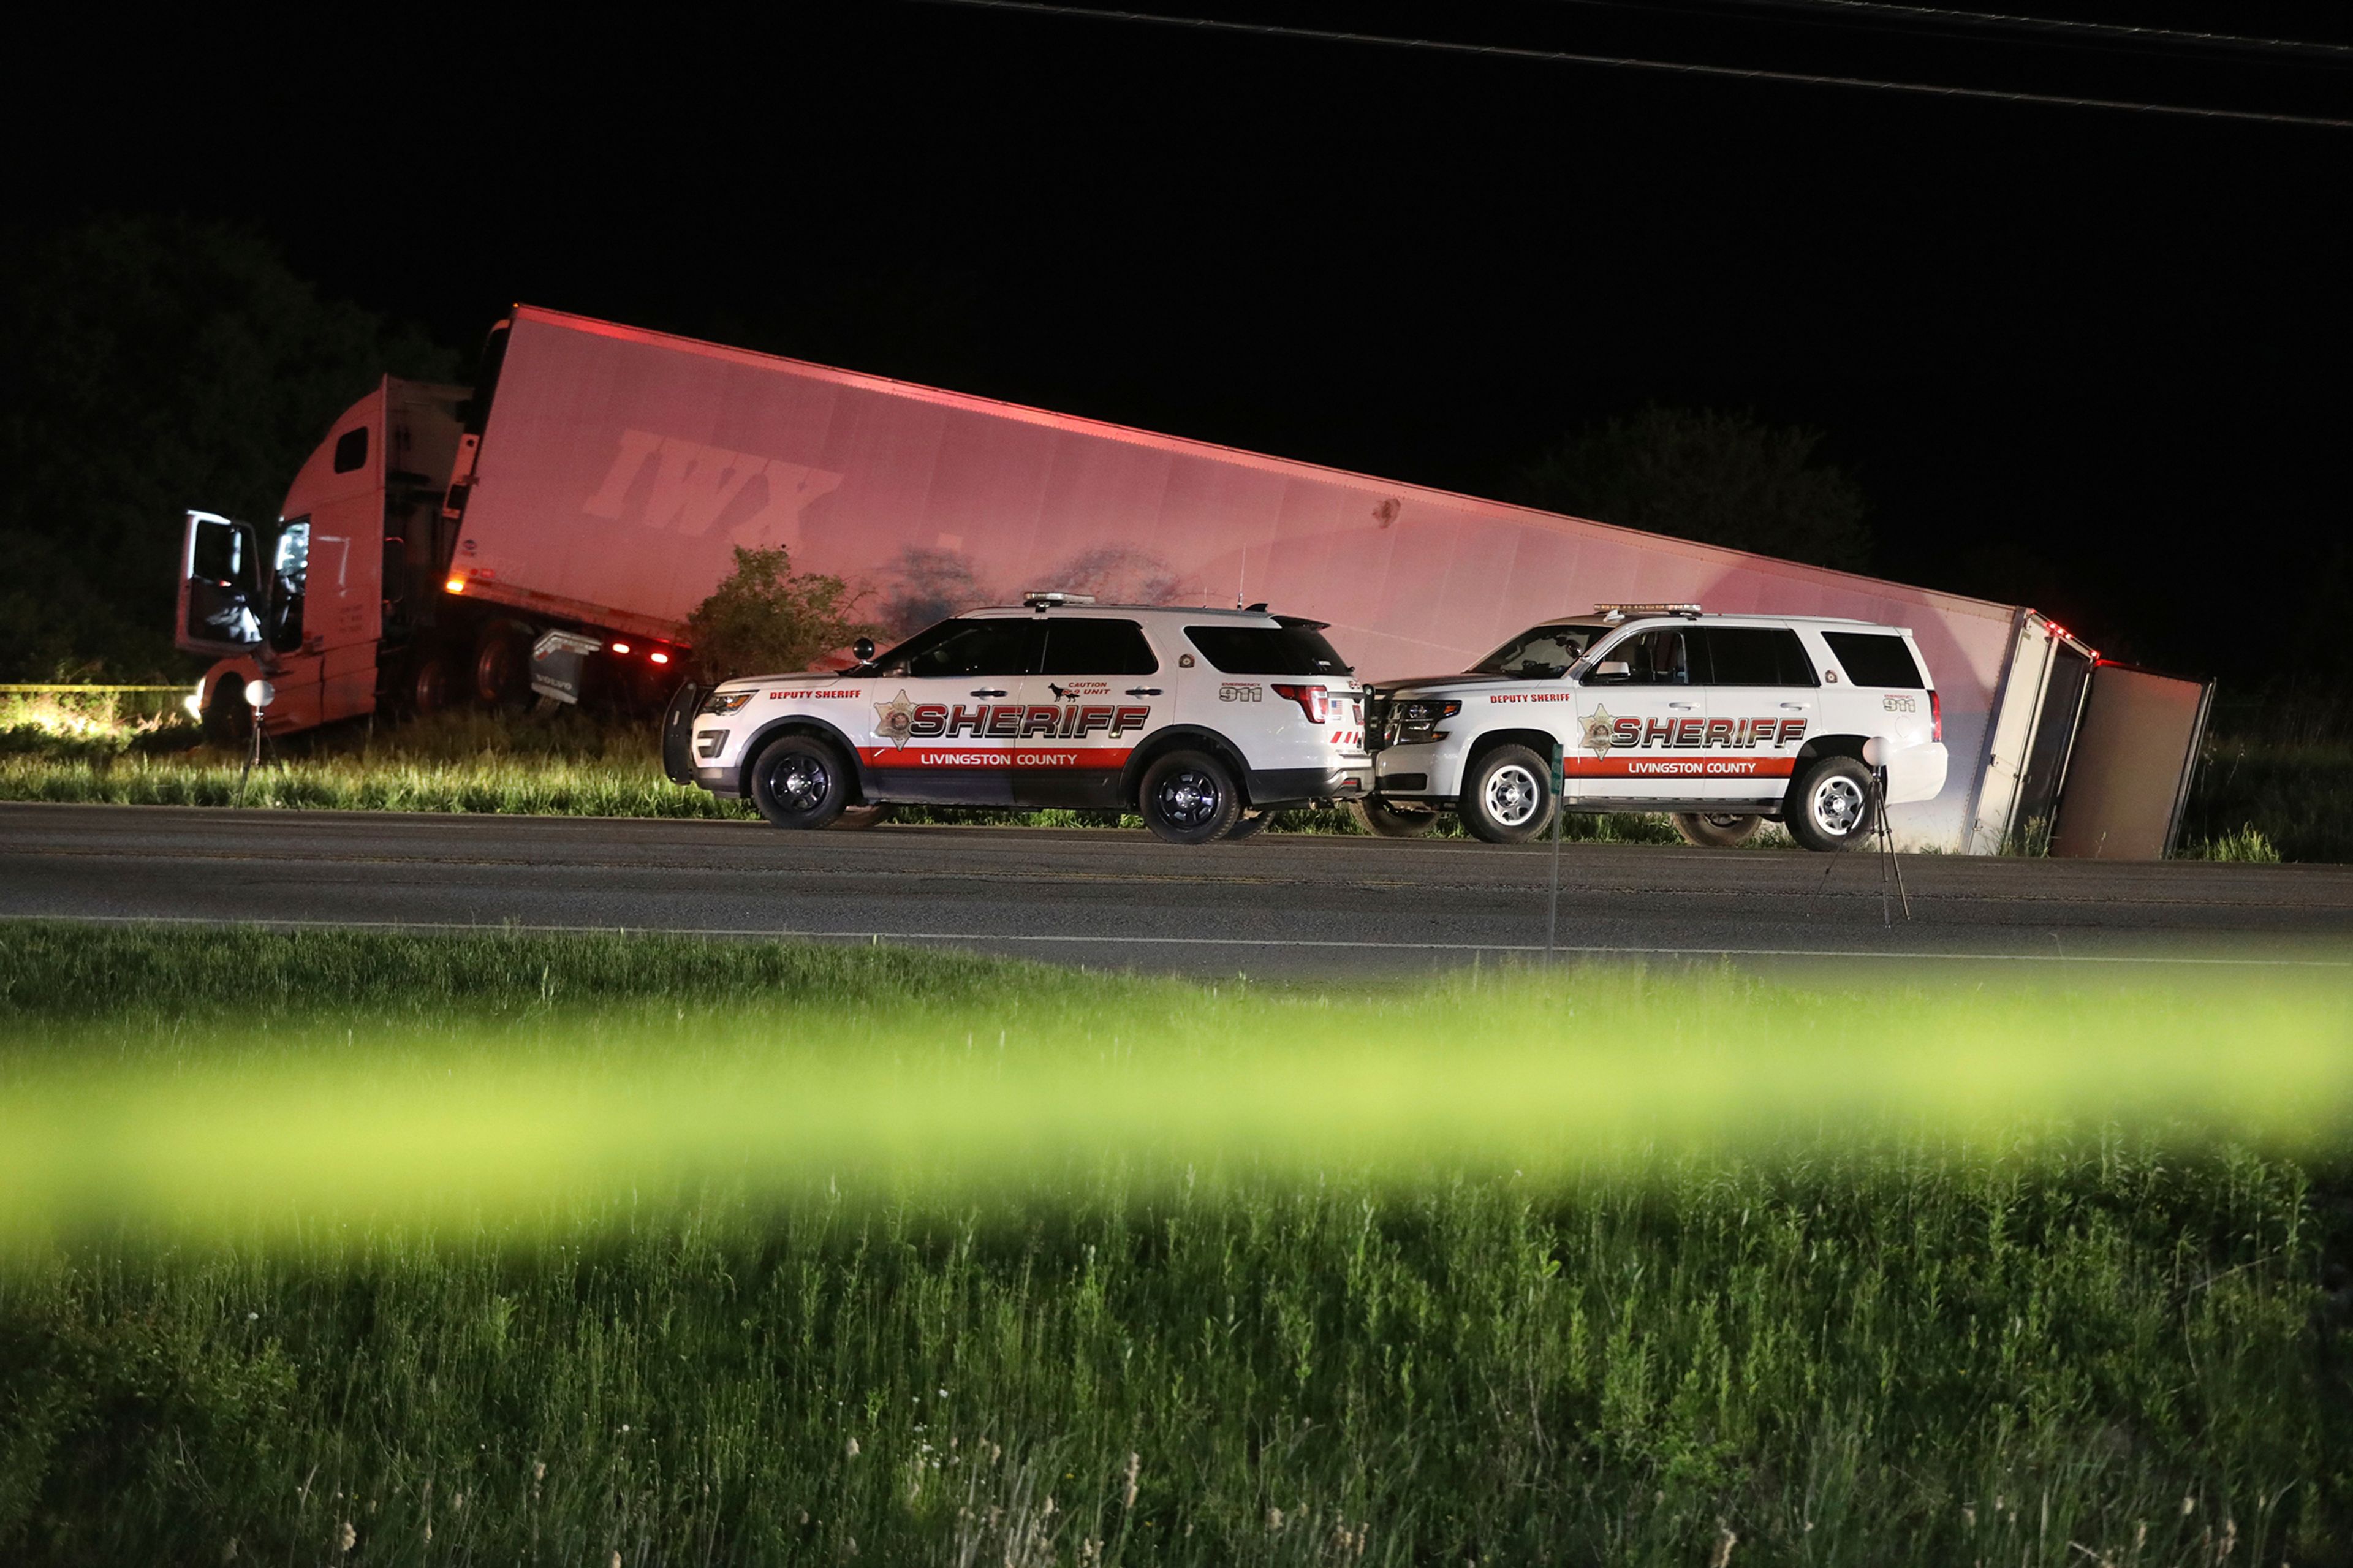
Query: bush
(763, 619)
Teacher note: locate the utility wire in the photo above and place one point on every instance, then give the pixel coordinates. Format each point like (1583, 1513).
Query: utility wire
(1562, 57)
(2065, 27)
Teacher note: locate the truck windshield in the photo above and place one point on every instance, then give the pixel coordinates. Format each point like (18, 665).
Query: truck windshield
(1540, 653)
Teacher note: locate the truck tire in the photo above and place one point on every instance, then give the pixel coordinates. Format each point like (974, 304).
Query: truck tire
(430, 685)
(227, 716)
(502, 668)
(800, 782)
(1508, 799)
(1188, 797)
(859, 818)
(1828, 808)
(1713, 831)
(1383, 820)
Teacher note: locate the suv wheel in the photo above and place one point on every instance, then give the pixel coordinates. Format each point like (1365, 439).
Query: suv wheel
(1383, 820)
(1508, 797)
(1188, 797)
(1713, 831)
(858, 818)
(1828, 809)
(800, 782)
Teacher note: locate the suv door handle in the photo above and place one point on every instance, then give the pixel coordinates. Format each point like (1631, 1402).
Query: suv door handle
(1797, 705)
(1143, 691)
(990, 691)
(1679, 705)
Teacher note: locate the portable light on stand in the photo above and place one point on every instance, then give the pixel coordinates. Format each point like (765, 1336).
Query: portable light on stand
(258, 695)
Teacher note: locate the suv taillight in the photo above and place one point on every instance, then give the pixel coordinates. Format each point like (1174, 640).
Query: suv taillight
(1311, 699)
(1935, 715)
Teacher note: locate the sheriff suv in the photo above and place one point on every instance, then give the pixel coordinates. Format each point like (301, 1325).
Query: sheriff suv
(1726, 721)
(1202, 721)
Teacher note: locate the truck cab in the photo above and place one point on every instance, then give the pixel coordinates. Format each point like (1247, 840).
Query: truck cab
(323, 599)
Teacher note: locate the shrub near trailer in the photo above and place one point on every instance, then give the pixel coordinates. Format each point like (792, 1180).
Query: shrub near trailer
(1202, 721)
(1724, 722)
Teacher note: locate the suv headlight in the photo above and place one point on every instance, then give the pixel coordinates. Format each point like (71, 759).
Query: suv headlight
(726, 702)
(1417, 719)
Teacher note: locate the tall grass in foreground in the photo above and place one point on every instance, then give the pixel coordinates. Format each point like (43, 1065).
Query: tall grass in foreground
(2077, 1352)
(344, 1249)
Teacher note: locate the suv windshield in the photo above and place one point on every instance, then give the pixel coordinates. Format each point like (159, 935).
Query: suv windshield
(1540, 653)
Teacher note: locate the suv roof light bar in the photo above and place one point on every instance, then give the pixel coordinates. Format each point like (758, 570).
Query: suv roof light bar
(1043, 599)
(1620, 612)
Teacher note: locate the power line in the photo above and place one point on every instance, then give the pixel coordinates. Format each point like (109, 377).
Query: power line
(2065, 27)
(1563, 57)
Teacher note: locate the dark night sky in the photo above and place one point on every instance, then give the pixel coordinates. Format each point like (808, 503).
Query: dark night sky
(2092, 359)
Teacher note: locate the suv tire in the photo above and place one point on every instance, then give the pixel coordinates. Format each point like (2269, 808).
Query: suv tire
(859, 818)
(799, 781)
(1828, 808)
(1508, 797)
(1188, 797)
(1382, 820)
(1713, 831)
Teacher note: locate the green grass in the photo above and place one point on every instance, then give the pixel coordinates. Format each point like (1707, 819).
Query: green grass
(512, 1250)
(2293, 797)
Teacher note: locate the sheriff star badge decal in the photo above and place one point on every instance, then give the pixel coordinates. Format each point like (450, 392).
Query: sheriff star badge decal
(894, 720)
(1598, 732)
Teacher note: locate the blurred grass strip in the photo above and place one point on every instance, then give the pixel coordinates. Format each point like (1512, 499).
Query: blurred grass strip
(943, 1076)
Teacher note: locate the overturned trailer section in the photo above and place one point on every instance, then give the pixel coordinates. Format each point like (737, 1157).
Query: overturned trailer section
(604, 475)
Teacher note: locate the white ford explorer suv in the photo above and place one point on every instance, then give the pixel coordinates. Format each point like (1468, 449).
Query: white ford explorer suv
(1726, 721)
(1202, 721)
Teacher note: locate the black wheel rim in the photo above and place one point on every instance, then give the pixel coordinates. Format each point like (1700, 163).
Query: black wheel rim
(1189, 798)
(798, 782)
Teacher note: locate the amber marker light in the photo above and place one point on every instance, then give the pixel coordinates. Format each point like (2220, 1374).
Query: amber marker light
(456, 584)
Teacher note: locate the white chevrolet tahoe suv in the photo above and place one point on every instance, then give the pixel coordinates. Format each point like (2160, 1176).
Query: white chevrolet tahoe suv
(1726, 721)
(1202, 721)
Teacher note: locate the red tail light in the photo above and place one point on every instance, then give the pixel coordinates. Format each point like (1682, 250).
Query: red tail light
(1935, 715)
(1311, 701)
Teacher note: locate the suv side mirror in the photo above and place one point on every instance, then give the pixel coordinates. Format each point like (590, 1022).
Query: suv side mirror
(1610, 671)
(862, 650)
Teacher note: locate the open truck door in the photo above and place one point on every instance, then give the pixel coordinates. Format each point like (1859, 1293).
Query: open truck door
(220, 587)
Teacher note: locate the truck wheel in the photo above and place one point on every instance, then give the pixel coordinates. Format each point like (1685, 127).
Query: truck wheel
(1508, 797)
(227, 718)
(859, 818)
(800, 782)
(1188, 797)
(501, 669)
(1713, 831)
(430, 685)
(1828, 808)
(1383, 820)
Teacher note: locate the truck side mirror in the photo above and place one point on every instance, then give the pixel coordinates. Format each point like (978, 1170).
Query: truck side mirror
(862, 650)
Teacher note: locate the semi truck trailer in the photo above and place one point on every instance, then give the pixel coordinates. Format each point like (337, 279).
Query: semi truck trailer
(550, 529)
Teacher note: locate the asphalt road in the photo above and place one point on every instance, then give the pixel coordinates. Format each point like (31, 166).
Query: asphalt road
(1274, 905)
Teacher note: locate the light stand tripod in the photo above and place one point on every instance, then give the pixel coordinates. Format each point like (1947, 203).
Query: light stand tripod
(1890, 867)
(259, 694)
